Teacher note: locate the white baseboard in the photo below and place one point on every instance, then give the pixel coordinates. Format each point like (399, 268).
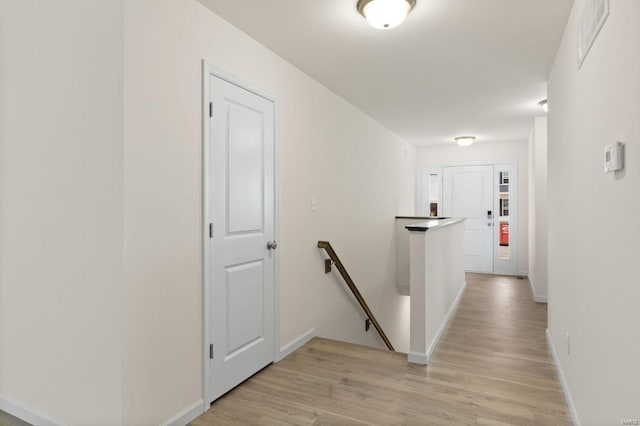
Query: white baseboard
(419, 358)
(445, 321)
(28, 415)
(296, 343)
(565, 387)
(536, 298)
(185, 416)
(504, 274)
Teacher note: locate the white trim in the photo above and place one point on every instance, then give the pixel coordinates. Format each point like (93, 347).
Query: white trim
(295, 344)
(420, 358)
(207, 71)
(536, 298)
(206, 250)
(28, 415)
(563, 382)
(185, 416)
(445, 322)
(505, 274)
(276, 228)
(540, 299)
(417, 358)
(238, 81)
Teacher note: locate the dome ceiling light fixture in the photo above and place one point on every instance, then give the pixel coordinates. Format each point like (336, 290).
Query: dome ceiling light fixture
(544, 105)
(385, 14)
(465, 140)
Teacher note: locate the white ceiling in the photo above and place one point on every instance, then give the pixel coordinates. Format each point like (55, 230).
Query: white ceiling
(455, 67)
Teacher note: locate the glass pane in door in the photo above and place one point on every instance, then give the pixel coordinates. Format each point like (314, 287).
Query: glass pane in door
(504, 252)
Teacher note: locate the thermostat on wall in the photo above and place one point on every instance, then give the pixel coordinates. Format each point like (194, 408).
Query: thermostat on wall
(614, 157)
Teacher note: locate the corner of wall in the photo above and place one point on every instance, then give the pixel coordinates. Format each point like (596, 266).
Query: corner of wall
(565, 387)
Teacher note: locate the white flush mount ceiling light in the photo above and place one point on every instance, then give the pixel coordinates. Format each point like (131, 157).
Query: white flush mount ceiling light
(385, 14)
(465, 140)
(544, 105)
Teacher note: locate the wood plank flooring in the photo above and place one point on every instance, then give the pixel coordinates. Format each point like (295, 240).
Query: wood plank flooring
(492, 367)
(7, 419)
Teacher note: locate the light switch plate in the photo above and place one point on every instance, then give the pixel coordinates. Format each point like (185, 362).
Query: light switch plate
(314, 204)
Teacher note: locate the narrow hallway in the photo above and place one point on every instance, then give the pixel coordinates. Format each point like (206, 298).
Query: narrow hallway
(492, 366)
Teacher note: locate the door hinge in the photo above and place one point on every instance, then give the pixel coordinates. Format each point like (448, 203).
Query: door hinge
(211, 230)
(210, 109)
(211, 351)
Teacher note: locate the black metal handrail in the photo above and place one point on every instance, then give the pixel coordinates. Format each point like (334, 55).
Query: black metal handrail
(352, 286)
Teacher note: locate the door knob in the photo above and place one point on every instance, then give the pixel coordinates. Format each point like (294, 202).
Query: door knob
(272, 245)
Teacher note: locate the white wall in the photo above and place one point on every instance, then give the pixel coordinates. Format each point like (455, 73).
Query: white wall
(489, 153)
(328, 149)
(61, 124)
(593, 217)
(437, 279)
(538, 206)
(101, 186)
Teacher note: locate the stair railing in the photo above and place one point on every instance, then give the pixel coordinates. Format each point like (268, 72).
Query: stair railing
(334, 259)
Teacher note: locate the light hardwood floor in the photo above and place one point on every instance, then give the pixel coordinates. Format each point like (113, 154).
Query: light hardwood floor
(492, 367)
(7, 419)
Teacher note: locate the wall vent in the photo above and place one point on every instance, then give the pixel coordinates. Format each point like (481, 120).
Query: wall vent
(594, 14)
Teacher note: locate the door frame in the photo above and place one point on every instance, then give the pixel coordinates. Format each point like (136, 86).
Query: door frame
(421, 197)
(209, 70)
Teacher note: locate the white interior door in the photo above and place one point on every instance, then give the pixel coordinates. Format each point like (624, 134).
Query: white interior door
(468, 193)
(242, 231)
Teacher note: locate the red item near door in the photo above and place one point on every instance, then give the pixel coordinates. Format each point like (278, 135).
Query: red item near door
(504, 233)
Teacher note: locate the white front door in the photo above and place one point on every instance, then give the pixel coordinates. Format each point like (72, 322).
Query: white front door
(468, 192)
(242, 218)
